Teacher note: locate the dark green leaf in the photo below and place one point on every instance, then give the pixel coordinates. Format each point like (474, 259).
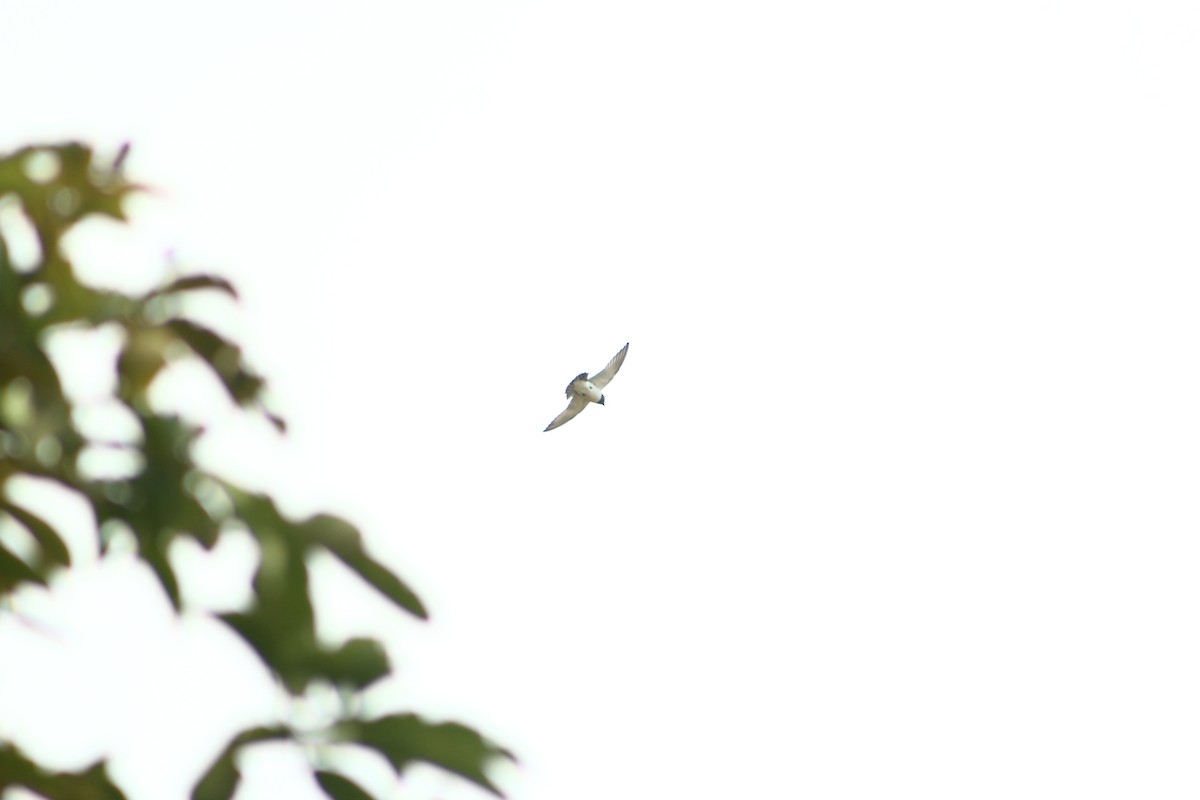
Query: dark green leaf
(94, 784)
(339, 787)
(102, 191)
(358, 663)
(90, 784)
(163, 484)
(221, 780)
(224, 357)
(14, 571)
(54, 550)
(287, 653)
(153, 551)
(406, 738)
(281, 625)
(386, 582)
(262, 733)
(14, 767)
(343, 540)
(140, 361)
(190, 283)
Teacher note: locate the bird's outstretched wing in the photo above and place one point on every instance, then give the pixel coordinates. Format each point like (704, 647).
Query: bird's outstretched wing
(601, 378)
(573, 408)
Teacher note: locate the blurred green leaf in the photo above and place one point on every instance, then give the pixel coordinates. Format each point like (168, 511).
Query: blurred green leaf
(344, 541)
(220, 781)
(14, 571)
(358, 663)
(54, 550)
(404, 739)
(74, 189)
(153, 550)
(140, 361)
(284, 646)
(92, 783)
(339, 787)
(163, 483)
(155, 503)
(191, 283)
(257, 633)
(385, 581)
(224, 357)
(260, 733)
(280, 625)
(15, 769)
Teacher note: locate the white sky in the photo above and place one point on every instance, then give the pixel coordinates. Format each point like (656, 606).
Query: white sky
(895, 495)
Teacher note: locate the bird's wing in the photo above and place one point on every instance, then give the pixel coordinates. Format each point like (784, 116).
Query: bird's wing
(573, 408)
(601, 378)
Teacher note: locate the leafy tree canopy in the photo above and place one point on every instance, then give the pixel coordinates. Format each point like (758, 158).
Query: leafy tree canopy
(170, 497)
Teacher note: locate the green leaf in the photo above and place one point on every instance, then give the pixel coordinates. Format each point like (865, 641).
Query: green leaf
(93, 784)
(222, 778)
(386, 582)
(90, 784)
(191, 283)
(14, 571)
(102, 190)
(288, 652)
(339, 787)
(261, 733)
(141, 359)
(281, 625)
(344, 541)
(157, 504)
(224, 357)
(406, 738)
(152, 539)
(358, 663)
(153, 552)
(163, 483)
(54, 550)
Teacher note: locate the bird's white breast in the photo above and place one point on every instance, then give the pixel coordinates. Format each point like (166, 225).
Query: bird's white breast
(586, 389)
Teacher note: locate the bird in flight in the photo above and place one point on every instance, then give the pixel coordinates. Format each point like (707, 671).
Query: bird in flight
(583, 390)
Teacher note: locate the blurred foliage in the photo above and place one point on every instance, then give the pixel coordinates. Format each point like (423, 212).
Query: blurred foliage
(90, 784)
(170, 497)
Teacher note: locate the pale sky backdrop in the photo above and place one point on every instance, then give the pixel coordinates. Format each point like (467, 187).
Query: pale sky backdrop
(895, 495)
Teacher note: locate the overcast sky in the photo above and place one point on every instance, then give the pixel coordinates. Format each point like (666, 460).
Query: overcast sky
(894, 496)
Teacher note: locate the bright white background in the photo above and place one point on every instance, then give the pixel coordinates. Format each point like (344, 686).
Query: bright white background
(895, 495)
